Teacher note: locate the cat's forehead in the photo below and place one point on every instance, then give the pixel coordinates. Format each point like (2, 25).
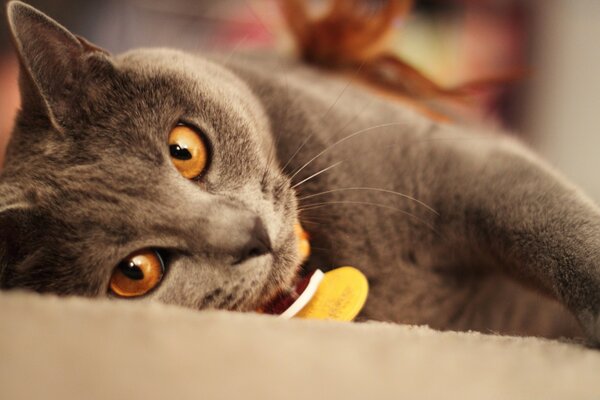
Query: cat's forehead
(195, 76)
(156, 86)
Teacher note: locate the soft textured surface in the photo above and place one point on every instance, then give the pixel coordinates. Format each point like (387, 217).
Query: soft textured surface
(55, 348)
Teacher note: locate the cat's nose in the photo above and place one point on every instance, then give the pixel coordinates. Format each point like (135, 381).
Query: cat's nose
(259, 243)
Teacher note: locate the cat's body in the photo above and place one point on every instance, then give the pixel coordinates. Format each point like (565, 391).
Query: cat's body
(425, 266)
(95, 183)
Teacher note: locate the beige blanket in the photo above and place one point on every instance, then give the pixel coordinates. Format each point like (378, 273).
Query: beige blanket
(53, 348)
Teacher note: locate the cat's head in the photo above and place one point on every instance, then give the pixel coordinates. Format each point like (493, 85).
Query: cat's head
(120, 164)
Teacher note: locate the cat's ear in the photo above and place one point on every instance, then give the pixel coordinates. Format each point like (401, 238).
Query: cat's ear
(51, 61)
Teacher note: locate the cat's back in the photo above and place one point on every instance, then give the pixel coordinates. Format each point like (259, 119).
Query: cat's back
(304, 102)
(333, 97)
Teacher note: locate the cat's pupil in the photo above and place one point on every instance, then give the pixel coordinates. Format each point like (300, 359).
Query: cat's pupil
(179, 153)
(131, 270)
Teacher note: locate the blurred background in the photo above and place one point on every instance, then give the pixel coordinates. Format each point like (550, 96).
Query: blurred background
(554, 107)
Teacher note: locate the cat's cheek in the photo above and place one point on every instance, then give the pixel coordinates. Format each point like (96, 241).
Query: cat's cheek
(258, 277)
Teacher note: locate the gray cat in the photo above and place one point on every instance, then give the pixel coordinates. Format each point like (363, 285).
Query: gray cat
(161, 175)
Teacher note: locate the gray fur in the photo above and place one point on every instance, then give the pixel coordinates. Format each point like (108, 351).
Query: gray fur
(88, 180)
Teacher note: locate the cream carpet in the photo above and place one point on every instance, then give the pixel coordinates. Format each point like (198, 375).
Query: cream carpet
(52, 348)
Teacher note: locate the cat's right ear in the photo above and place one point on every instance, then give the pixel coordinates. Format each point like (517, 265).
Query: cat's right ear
(51, 60)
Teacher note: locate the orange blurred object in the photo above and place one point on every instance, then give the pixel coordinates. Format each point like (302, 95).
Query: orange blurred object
(303, 242)
(9, 100)
(351, 37)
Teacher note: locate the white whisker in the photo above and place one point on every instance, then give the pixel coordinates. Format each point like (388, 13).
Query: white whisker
(354, 117)
(362, 64)
(343, 140)
(366, 203)
(235, 49)
(317, 174)
(297, 150)
(371, 189)
(258, 19)
(272, 152)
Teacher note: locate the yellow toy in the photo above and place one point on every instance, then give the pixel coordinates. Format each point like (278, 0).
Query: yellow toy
(337, 295)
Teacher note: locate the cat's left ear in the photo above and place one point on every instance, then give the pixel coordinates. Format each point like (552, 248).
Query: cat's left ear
(53, 62)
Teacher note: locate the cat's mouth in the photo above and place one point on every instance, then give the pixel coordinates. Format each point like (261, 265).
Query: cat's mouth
(284, 297)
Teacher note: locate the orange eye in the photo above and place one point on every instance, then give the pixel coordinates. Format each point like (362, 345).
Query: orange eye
(188, 151)
(136, 275)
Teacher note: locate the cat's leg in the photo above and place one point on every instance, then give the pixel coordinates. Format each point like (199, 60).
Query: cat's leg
(502, 208)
